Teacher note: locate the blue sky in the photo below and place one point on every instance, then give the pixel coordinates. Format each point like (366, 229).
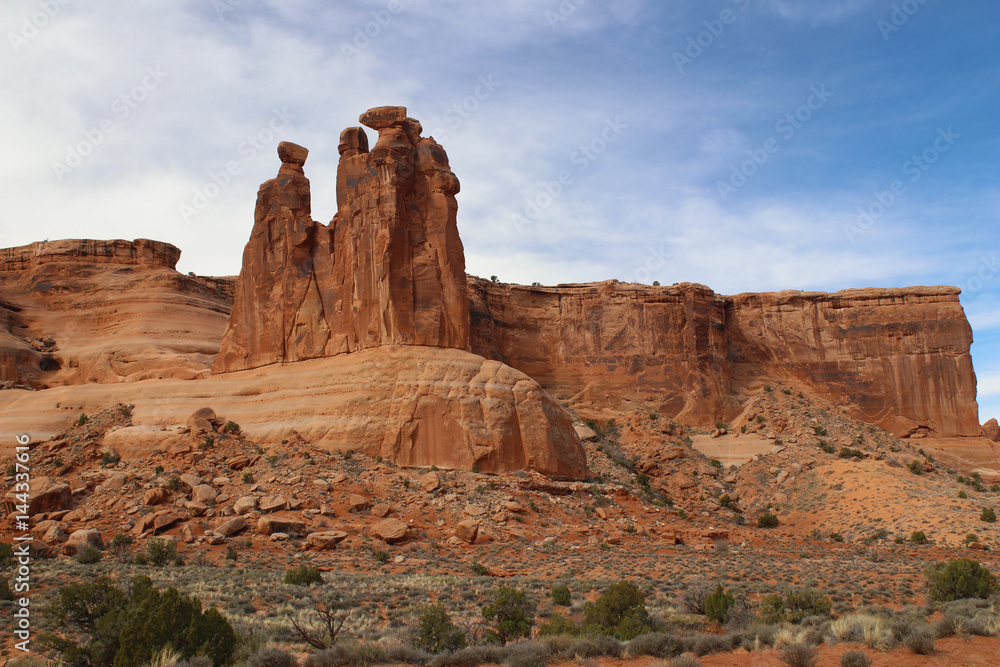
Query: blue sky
(734, 143)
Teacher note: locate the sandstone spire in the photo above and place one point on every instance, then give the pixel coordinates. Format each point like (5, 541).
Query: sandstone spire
(388, 270)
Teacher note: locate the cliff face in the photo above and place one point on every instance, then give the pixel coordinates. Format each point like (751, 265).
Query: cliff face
(78, 311)
(388, 270)
(898, 358)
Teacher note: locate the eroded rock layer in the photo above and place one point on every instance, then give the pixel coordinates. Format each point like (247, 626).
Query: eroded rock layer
(78, 311)
(388, 270)
(417, 406)
(898, 358)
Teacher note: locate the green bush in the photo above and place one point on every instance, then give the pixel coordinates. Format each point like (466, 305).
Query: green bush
(479, 569)
(162, 552)
(767, 520)
(918, 537)
(512, 612)
(435, 632)
(272, 656)
(794, 606)
(559, 626)
(303, 575)
(848, 453)
(122, 629)
(988, 515)
(620, 612)
(232, 428)
(718, 604)
(958, 579)
(89, 556)
(82, 420)
(561, 595)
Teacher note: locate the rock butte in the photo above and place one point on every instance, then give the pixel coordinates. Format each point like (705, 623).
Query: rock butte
(400, 354)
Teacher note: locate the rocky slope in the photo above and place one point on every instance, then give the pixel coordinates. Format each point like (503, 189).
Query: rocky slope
(897, 358)
(79, 311)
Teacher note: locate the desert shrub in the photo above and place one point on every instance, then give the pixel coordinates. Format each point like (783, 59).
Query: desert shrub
(6, 556)
(619, 612)
(855, 658)
(655, 644)
(684, 661)
(836, 537)
(121, 547)
(915, 467)
(435, 632)
(849, 453)
(512, 612)
(527, 654)
(271, 656)
(920, 642)
(479, 569)
(694, 596)
(132, 628)
(718, 604)
(918, 537)
(958, 579)
(767, 520)
(706, 644)
(82, 420)
(741, 616)
(558, 626)
(794, 606)
(798, 655)
(988, 515)
(89, 555)
(161, 552)
(561, 595)
(232, 428)
(303, 575)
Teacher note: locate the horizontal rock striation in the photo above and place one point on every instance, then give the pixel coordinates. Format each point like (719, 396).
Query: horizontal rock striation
(898, 358)
(79, 311)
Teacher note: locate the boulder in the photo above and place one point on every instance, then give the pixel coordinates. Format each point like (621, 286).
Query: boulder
(429, 482)
(390, 530)
(467, 530)
(326, 539)
(204, 493)
(81, 539)
(273, 504)
(44, 495)
(231, 527)
(245, 504)
(270, 524)
(155, 496)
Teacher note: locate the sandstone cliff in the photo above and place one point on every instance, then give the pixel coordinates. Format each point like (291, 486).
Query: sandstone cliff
(898, 358)
(388, 270)
(78, 311)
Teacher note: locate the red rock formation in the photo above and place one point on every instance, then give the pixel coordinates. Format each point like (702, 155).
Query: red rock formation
(898, 358)
(389, 269)
(991, 430)
(75, 311)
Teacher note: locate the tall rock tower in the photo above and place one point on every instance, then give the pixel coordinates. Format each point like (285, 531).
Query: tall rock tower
(388, 270)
